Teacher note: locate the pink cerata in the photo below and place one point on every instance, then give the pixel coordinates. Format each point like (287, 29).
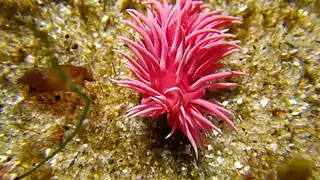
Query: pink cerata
(179, 48)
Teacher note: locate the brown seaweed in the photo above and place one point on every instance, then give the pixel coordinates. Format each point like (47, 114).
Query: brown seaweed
(47, 80)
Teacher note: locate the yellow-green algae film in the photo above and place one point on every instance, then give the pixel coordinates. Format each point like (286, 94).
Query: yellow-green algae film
(276, 107)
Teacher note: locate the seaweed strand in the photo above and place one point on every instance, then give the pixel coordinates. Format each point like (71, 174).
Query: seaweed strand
(55, 65)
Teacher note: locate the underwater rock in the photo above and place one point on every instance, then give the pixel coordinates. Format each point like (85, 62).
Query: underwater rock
(46, 80)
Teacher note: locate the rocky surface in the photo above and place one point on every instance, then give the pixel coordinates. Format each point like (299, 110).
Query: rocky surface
(276, 107)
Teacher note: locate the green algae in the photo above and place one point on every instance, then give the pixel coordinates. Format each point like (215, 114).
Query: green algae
(295, 169)
(276, 107)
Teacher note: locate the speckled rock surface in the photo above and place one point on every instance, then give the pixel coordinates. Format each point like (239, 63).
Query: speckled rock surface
(276, 107)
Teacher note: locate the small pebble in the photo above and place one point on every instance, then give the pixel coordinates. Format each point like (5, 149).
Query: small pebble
(238, 165)
(225, 103)
(240, 101)
(264, 102)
